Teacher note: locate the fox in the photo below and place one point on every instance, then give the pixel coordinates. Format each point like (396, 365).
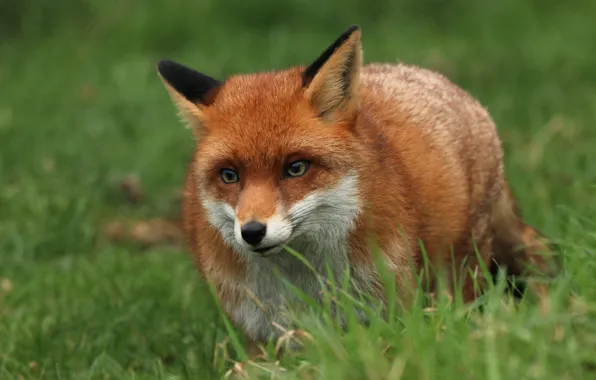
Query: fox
(334, 160)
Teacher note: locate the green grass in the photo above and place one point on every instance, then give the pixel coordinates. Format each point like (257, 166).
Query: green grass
(81, 106)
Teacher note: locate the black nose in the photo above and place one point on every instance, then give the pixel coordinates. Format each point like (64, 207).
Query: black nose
(253, 232)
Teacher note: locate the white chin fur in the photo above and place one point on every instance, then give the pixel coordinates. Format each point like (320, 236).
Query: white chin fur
(321, 218)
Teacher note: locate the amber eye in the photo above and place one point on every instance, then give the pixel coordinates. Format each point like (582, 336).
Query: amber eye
(229, 176)
(297, 168)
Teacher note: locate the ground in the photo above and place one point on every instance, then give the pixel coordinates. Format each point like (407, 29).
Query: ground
(81, 108)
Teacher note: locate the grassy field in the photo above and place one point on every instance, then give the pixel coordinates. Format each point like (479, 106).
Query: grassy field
(81, 107)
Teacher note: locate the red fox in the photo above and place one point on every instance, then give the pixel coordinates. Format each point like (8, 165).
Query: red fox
(328, 158)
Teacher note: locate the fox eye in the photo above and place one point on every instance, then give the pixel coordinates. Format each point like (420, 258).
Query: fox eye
(296, 168)
(229, 176)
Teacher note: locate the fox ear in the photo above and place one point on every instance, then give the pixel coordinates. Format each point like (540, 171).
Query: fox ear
(190, 90)
(332, 81)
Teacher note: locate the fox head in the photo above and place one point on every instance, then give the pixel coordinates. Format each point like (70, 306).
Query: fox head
(277, 157)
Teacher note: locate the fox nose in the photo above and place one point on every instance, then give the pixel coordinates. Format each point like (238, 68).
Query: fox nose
(253, 232)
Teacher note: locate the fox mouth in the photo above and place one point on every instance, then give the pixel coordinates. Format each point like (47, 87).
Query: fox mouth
(265, 250)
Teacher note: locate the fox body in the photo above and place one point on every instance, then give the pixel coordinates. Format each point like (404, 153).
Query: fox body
(329, 158)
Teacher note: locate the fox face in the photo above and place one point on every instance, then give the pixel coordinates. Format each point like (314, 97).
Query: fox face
(269, 179)
(277, 159)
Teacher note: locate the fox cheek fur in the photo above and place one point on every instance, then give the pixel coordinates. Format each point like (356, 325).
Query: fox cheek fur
(397, 153)
(336, 208)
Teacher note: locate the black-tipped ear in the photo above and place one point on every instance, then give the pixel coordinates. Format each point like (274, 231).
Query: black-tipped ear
(309, 73)
(331, 83)
(194, 86)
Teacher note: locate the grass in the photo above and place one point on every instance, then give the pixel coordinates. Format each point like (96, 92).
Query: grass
(81, 107)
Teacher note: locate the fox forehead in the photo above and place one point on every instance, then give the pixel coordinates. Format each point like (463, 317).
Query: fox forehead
(259, 146)
(270, 96)
(263, 119)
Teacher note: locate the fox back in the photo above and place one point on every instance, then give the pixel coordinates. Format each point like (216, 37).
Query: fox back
(325, 159)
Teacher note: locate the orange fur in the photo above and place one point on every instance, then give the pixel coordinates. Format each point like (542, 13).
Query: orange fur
(413, 156)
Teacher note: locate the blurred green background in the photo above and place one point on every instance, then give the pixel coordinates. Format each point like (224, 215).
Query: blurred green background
(81, 107)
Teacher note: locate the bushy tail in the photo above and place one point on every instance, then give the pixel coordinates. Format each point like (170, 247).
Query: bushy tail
(521, 249)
